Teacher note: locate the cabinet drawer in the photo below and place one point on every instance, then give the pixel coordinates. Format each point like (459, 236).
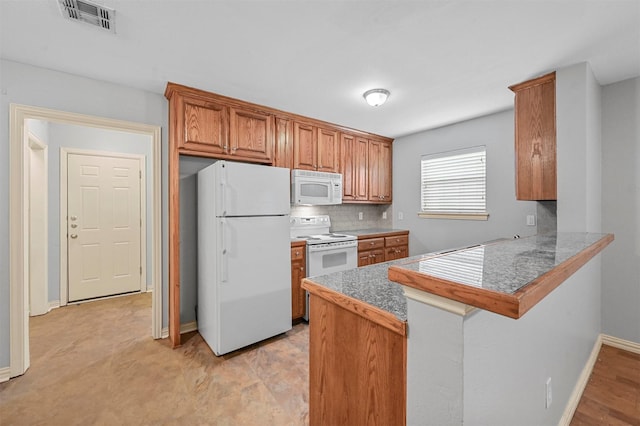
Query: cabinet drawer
(297, 253)
(398, 240)
(370, 244)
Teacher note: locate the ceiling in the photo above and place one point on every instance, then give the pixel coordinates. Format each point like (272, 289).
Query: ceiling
(443, 61)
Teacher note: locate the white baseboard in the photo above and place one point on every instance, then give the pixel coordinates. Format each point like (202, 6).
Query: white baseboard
(5, 374)
(578, 389)
(616, 342)
(184, 328)
(574, 399)
(53, 305)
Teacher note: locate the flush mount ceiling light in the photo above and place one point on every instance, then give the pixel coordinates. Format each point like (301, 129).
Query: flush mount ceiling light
(376, 97)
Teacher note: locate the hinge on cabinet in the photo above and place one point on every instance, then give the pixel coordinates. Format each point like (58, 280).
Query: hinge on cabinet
(140, 270)
(140, 174)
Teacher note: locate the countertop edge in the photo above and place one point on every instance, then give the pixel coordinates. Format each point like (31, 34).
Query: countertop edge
(358, 307)
(511, 305)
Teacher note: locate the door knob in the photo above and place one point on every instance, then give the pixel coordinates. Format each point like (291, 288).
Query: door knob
(74, 225)
(74, 236)
(73, 217)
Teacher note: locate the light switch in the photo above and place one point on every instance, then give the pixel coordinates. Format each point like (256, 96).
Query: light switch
(531, 220)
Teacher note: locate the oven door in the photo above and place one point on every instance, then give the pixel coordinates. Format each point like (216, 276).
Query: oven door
(325, 258)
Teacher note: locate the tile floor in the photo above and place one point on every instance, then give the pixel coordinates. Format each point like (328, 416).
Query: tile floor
(96, 364)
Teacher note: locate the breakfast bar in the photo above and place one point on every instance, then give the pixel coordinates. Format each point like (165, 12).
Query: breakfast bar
(422, 340)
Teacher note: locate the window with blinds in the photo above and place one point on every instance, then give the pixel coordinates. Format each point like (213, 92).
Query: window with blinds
(454, 184)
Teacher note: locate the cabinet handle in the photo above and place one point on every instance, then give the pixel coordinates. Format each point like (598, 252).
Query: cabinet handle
(372, 243)
(302, 268)
(297, 253)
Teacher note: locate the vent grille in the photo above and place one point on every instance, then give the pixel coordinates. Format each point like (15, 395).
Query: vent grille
(90, 13)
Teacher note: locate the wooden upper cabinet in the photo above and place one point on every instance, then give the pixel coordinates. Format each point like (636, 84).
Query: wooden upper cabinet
(380, 171)
(251, 134)
(315, 148)
(305, 146)
(327, 150)
(204, 125)
(283, 143)
(535, 138)
(354, 154)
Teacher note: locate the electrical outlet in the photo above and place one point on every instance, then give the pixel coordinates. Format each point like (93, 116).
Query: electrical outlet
(531, 220)
(400, 216)
(549, 398)
(360, 216)
(384, 215)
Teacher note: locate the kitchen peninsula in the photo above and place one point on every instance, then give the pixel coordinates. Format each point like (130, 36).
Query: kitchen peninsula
(467, 336)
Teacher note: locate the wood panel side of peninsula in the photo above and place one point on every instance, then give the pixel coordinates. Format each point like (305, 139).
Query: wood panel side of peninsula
(357, 368)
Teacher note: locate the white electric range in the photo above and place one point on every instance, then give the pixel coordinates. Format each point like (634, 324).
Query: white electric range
(327, 252)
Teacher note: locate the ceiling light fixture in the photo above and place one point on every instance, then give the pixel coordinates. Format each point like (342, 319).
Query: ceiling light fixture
(376, 97)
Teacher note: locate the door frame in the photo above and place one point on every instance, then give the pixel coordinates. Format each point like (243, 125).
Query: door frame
(19, 220)
(38, 211)
(64, 153)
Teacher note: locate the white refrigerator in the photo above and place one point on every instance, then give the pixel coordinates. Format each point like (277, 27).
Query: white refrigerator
(244, 256)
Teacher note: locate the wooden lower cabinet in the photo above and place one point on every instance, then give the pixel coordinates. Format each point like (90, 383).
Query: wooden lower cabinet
(357, 369)
(298, 272)
(383, 247)
(370, 251)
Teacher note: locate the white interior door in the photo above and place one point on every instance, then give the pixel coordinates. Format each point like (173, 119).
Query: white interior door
(103, 225)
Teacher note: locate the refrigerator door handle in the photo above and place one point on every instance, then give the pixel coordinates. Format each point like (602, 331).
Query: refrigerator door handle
(223, 190)
(223, 246)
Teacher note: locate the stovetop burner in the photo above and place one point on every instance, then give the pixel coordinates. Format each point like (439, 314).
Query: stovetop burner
(315, 230)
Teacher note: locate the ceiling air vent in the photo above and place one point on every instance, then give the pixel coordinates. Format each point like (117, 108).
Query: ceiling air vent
(90, 13)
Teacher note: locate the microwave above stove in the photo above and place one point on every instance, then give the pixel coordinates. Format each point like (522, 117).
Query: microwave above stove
(315, 188)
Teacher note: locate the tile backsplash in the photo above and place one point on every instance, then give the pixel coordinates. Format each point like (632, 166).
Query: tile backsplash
(345, 217)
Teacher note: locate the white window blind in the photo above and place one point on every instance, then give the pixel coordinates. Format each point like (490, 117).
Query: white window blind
(454, 182)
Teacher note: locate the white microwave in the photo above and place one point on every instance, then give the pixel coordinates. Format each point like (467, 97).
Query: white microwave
(315, 188)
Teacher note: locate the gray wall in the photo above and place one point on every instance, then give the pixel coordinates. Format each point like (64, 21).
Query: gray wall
(621, 209)
(507, 362)
(90, 138)
(578, 107)
(507, 216)
(34, 86)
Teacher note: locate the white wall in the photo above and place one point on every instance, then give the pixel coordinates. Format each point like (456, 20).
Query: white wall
(507, 216)
(621, 209)
(90, 138)
(34, 86)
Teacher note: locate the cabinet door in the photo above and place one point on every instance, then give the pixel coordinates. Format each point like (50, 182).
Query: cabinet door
(251, 135)
(379, 171)
(398, 252)
(327, 150)
(298, 272)
(305, 146)
(205, 126)
(361, 168)
(284, 143)
(535, 139)
(365, 258)
(384, 173)
(347, 167)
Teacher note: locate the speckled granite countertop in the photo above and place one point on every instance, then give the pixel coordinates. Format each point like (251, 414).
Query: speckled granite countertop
(368, 284)
(507, 277)
(371, 232)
